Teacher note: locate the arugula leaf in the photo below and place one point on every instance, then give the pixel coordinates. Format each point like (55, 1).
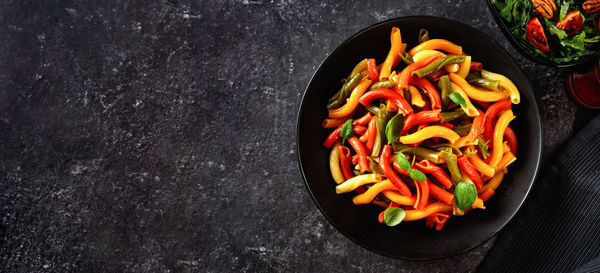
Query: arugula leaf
(561, 34)
(593, 39)
(577, 42)
(506, 12)
(564, 9)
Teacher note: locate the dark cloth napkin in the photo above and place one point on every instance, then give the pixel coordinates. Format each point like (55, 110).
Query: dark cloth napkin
(558, 227)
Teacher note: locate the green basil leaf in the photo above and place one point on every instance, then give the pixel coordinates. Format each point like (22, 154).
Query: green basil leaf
(483, 146)
(347, 130)
(393, 216)
(417, 175)
(465, 195)
(393, 128)
(458, 99)
(403, 162)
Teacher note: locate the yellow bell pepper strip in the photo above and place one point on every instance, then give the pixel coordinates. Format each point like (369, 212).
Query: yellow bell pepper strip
(440, 44)
(476, 93)
(429, 132)
(506, 160)
(493, 183)
(352, 102)
(469, 108)
(423, 54)
(390, 60)
(464, 68)
(452, 68)
(357, 181)
(506, 83)
(334, 163)
(497, 139)
(372, 192)
(416, 98)
(412, 215)
(481, 166)
(398, 198)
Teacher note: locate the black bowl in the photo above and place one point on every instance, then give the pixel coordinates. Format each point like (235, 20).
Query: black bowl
(412, 240)
(524, 51)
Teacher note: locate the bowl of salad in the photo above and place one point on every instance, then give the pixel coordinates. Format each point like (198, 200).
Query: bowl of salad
(560, 33)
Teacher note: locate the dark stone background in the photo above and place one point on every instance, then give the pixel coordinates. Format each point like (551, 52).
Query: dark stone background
(155, 136)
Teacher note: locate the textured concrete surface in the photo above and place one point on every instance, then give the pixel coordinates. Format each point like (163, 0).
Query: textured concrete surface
(158, 136)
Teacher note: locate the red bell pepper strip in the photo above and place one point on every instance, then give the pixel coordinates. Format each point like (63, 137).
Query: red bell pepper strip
(372, 132)
(345, 162)
(447, 125)
(429, 167)
(333, 137)
(372, 70)
(470, 171)
(476, 128)
(477, 66)
(384, 164)
(335, 134)
(363, 160)
(486, 194)
(427, 87)
(382, 213)
(389, 94)
(437, 75)
(423, 194)
(421, 117)
(359, 129)
(490, 116)
(483, 104)
(436, 191)
(364, 120)
(405, 74)
(440, 193)
(511, 138)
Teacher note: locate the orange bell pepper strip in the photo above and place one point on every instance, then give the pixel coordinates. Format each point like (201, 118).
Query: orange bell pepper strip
(352, 102)
(390, 60)
(372, 70)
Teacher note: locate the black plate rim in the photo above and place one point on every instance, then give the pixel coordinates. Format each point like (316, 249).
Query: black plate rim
(538, 156)
(524, 52)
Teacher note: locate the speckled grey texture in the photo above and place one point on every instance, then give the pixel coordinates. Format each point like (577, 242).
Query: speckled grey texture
(159, 136)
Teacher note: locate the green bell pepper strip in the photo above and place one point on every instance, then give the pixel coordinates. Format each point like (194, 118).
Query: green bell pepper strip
(423, 35)
(381, 123)
(340, 97)
(477, 80)
(450, 116)
(444, 85)
(451, 161)
(463, 130)
(406, 58)
(389, 84)
(421, 152)
(438, 64)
